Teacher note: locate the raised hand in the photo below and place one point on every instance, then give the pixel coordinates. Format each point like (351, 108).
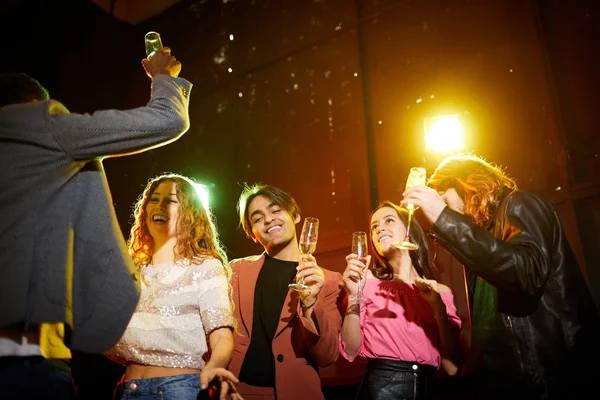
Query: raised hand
(313, 277)
(355, 270)
(428, 200)
(162, 62)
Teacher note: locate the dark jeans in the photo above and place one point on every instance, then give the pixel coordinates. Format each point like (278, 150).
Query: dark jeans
(395, 379)
(35, 377)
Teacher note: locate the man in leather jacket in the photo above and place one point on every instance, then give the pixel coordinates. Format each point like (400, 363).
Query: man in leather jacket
(534, 323)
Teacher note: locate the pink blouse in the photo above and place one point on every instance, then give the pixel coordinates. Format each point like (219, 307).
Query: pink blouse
(398, 324)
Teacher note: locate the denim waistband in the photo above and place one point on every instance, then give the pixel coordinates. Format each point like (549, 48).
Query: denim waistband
(155, 385)
(400, 365)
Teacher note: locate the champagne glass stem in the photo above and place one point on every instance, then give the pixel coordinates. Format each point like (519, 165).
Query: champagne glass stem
(358, 294)
(410, 214)
(301, 280)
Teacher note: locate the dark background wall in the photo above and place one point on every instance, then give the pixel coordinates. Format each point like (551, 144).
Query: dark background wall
(326, 99)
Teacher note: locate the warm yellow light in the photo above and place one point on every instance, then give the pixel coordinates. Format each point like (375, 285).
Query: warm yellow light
(443, 134)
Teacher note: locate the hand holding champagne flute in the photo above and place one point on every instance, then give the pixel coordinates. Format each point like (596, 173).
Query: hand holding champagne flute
(416, 177)
(307, 245)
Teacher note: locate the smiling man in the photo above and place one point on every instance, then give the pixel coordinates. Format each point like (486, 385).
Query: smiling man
(285, 335)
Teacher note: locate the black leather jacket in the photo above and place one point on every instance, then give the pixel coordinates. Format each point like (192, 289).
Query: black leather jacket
(533, 317)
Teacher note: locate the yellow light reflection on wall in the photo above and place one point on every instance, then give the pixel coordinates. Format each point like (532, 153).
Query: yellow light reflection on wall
(443, 134)
(203, 192)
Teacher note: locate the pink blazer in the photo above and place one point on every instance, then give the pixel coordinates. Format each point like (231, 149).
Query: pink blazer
(296, 344)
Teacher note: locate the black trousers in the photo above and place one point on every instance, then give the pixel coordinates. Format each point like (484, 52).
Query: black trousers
(395, 379)
(34, 377)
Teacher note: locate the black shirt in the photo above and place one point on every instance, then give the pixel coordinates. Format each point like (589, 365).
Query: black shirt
(258, 368)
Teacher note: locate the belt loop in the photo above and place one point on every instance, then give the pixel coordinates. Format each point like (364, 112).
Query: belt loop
(154, 382)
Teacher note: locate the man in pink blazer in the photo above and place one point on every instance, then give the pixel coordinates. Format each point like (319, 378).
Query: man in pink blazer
(285, 336)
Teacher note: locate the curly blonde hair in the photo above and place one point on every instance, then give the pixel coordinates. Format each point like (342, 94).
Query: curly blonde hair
(479, 183)
(197, 237)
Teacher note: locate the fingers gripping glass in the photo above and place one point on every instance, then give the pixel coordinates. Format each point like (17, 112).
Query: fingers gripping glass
(416, 177)
(308, 245)
(360, 248)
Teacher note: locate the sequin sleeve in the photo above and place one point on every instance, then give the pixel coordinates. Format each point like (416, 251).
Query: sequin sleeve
(213, 297)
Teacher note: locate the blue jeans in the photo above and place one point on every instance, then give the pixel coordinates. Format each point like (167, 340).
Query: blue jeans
(176, 387)
(35, 377)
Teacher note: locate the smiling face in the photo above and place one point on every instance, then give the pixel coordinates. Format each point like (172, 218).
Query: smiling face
(272, 226)
(162, 212)
(386, 228)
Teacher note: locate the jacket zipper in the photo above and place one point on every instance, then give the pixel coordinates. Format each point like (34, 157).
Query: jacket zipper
(509, 325)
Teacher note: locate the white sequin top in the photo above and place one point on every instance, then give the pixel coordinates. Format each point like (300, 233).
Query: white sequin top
(180, 305)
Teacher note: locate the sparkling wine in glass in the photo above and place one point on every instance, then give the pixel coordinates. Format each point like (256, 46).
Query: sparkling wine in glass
(307, 245)
(360, 248)
(416, 177)
(153, 43)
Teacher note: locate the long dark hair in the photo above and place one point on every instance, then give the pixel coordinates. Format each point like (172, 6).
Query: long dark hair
(381, 268)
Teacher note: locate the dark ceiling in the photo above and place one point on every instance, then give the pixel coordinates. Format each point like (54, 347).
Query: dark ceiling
(135, 11)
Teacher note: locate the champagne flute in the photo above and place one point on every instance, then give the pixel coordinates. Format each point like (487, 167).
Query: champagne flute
(416, 177)
(360, 248)
(307, 245)
(153, 43)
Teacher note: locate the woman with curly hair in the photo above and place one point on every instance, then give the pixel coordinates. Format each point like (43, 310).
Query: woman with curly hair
(408, 328)
(179, 340)
(534, 321)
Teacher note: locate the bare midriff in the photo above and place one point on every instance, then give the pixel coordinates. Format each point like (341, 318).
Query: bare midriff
(136, 371)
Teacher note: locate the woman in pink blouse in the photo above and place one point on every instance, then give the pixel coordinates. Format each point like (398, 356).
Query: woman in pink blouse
(408, 328)
(179, 341)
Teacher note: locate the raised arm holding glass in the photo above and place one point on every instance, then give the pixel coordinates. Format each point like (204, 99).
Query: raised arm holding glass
(535, 325)
(67, 280)
(408, 328)
(286, 334)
